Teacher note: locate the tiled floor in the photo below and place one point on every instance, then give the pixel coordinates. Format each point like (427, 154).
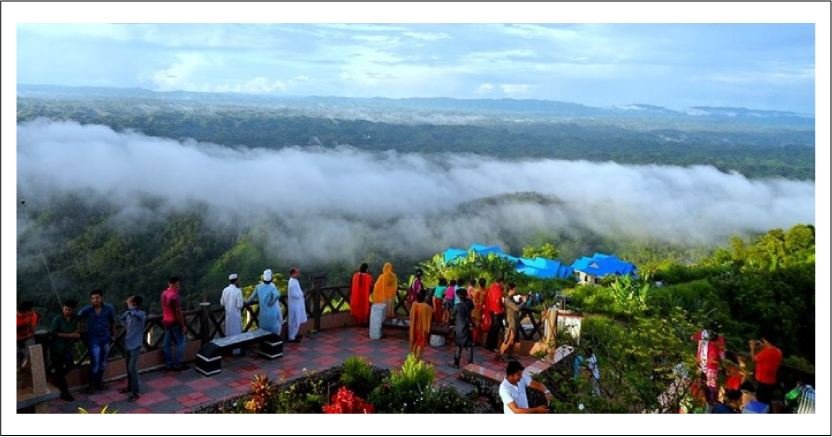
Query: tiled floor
(175, 392)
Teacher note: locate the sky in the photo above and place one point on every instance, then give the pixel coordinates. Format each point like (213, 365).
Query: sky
(760, 66)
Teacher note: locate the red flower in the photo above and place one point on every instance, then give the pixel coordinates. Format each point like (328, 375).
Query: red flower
(346, 402)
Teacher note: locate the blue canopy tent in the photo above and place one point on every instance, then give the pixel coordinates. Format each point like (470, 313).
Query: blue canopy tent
(452, 254)
(538, 267)
(544, 268)
(602, 264)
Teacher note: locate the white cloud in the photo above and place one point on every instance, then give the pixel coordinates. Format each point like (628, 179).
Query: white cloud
(185, 74)
(178, 76)
(482, 59)
(359, 27)
(427, 36)
(258, 85)
(765, 77)
(370, 197)
(378, 39)
(485, 88)
(538, 31)
(513, 89)
(117, 32)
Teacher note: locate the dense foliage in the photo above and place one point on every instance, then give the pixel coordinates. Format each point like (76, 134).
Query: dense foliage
(359, 376)
(406, 390)
(411, 390)
(640, 331)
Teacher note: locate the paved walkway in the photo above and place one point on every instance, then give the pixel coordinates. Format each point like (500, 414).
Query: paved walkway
(179, 392)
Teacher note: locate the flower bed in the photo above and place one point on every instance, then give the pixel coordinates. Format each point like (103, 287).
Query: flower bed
(355, 387)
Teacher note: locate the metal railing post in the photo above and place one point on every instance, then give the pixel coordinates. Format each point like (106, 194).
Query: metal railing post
(204, 324)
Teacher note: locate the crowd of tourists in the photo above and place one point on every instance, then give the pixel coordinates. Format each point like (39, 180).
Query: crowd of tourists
(479, 314)
(724, 384)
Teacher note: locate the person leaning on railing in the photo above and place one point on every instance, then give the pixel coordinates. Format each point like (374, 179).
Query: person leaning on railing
(63, 332)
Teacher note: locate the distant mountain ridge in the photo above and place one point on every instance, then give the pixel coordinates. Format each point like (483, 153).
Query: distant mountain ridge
(493, 106)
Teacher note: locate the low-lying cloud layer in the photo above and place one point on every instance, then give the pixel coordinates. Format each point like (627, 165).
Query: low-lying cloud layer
(333, 204)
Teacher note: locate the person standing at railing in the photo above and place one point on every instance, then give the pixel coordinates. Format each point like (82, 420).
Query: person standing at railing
(362, 281)
(100, 320)
(297, 306)
(462, 327)
(133, 320)
(477, 295)
(512, 306)
(448, 300)
(414, 289)
(494, 313)
(174, 325)
(27, 321)
(270, 316)
(64, 332)
(386, 288)
(232, 301)
(438, 297)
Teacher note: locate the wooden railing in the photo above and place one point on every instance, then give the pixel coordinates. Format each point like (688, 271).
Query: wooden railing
(208, 321)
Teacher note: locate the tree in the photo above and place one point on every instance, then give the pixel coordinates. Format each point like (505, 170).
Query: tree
(545, 250)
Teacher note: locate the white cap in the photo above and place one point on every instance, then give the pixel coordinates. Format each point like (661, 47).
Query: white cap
(232, 276)
(267, 275)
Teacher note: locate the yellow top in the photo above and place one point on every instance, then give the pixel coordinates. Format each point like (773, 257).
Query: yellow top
(386, 285)
(420, 318)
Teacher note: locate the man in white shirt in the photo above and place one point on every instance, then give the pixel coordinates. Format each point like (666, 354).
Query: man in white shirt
(513, 391)
(232, 301)
(297, 305)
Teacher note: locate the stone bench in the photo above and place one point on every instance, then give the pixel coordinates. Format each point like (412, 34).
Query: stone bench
(209, 357)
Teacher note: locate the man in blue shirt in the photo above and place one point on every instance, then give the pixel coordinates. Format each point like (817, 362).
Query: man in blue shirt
(133, 320)
(99, 319)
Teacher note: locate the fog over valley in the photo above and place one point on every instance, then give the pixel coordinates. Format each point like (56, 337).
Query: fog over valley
(329, 204)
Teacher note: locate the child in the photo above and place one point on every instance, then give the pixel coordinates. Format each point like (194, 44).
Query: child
(448, 302)
(133, 320)
(27, 320)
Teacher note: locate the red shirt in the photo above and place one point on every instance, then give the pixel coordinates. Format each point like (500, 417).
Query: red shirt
(709, 352)
(768, 362)
(733, 382)
(170, 305)
(494, 299)
(26, 325)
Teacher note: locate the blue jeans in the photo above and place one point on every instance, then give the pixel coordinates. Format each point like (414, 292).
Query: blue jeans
(132, 358)
(174, 334)
(99, 351)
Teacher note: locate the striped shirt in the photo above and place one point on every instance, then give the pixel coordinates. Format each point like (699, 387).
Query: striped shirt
(806, 402)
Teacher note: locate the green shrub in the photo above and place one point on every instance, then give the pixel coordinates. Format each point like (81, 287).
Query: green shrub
(406, 390)
(414, 373)
(359, 376)
(446, 400)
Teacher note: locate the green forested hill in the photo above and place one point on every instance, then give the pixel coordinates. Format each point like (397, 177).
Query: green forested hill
(754, 152)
